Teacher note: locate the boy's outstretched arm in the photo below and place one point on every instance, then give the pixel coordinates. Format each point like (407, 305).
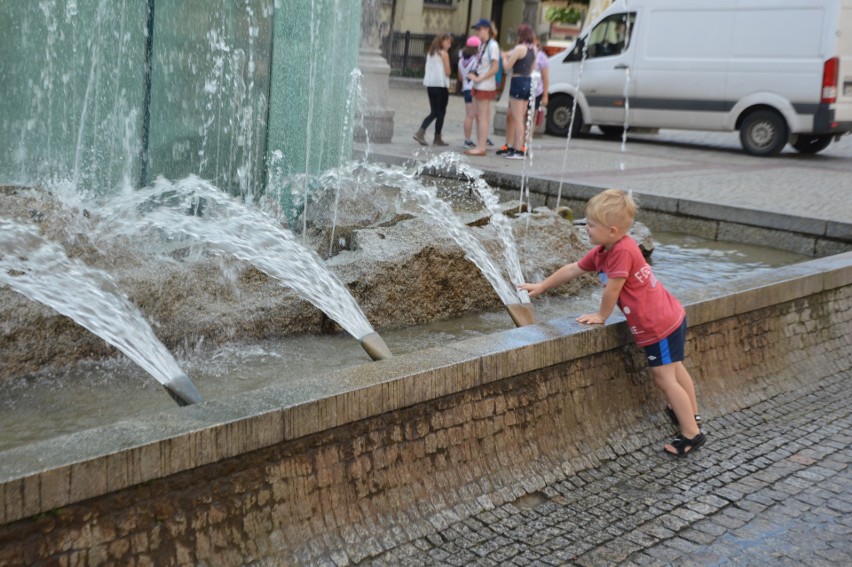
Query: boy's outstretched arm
(563, 275)
(608, 302)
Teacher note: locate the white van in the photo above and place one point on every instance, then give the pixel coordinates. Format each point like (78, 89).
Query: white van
(776, 70)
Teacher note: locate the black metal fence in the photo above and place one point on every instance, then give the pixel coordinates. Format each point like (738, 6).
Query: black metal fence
(406, 52)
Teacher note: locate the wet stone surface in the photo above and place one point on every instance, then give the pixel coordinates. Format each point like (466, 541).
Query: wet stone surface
(772, 486)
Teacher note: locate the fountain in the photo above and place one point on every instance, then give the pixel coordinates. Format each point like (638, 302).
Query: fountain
(161, 243)
(81, 119)
(223, 92)
(208, 104)
(192, 200)
(39, 269)
(213, 275)
(503, 276)
(209, 114)
(245, 233)
(516, 301)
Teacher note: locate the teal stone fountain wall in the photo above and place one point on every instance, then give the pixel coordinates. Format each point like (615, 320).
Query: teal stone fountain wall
(114, 93)
(71, 76)
(312, 92)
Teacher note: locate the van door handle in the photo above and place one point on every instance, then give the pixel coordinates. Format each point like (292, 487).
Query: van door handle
(621, 66)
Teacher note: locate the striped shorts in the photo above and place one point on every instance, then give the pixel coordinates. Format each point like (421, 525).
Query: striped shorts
(668, 350)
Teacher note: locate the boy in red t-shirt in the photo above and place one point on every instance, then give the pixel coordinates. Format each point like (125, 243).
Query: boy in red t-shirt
(656, 319)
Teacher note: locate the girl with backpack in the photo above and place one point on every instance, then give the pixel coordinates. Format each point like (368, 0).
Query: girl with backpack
(484, 83)
(467, 62)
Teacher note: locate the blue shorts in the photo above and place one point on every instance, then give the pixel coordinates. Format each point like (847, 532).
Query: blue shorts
(520, 88)
(668, 350)
(467, 96)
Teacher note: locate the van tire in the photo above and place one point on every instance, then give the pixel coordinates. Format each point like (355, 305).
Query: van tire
(559, 116)
(808, 144)
(764, 133)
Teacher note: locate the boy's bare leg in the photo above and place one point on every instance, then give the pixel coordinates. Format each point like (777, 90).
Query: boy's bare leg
(665, 378)
(685, 381)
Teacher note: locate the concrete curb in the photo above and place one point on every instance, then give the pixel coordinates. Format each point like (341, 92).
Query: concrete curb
(726, 216)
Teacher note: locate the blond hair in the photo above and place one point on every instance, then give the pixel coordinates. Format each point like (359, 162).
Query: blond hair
(612, 207)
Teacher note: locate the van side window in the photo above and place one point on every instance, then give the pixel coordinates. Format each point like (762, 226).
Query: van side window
(610, 37)
(576, 53)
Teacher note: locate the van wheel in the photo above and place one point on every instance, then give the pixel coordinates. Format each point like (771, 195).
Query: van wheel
(812, 144)
(559, 116)
(764, 133)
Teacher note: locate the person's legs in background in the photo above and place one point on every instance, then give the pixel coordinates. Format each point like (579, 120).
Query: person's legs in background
(469, 115)
(420, 135)
(482, 104)
(442, 98)
(510, 133)
(518, 110)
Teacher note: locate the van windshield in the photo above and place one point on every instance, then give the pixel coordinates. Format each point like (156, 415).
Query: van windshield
(609, 37)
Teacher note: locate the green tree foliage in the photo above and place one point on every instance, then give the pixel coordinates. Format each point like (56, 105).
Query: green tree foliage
(572, 13)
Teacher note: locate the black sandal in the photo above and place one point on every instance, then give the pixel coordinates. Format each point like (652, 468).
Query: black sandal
(685, 446)
(673, 417)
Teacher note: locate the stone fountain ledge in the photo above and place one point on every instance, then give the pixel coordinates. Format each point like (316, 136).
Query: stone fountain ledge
(462, 427)
(801, 235)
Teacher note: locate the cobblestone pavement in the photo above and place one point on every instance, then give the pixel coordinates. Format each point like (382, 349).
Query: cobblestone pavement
(772, 486)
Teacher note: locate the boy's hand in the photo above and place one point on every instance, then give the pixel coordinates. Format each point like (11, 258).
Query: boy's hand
(534, 289)
(591, 319)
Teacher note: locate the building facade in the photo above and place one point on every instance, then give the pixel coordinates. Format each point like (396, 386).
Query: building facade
(429, 17)
(407, 27)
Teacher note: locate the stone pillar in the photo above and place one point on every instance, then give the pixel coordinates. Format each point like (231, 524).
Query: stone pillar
(375, 118)
(531, 13)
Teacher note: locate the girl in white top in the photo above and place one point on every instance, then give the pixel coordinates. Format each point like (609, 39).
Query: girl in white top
(484, 83)
(437, 83)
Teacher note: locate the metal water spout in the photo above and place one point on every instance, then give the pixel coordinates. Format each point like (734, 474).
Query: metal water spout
(183, 391)
(522, 314)
(375, 346)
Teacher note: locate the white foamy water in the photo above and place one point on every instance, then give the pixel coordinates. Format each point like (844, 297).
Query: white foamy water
(511, 262)
(195, 208)
(41, 270)
(426, 199)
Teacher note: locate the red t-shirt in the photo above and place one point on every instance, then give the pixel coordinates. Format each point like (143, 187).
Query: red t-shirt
(652, 312)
